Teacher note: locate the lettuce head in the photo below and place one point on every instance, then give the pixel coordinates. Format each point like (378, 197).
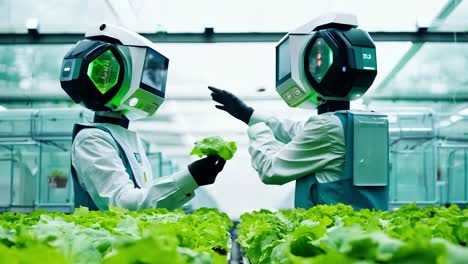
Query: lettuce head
(214, 146)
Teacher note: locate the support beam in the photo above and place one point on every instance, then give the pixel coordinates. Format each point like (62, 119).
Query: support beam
(398, 67)
(71, 38)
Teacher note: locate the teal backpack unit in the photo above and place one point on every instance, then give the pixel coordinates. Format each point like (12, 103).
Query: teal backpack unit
(365, 180)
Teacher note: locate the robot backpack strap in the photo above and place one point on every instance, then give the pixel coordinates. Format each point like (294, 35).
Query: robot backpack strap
(366, 141)
(122, 153)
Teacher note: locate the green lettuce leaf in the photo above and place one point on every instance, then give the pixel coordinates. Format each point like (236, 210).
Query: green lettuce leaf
(115, 236)
(339, 234)
(214, 146)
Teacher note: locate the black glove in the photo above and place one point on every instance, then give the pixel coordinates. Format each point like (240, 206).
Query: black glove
(231, 104)
(205, 170)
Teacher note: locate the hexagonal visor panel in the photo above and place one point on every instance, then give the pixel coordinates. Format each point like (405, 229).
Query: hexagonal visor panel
(320, 59)
(104, 71)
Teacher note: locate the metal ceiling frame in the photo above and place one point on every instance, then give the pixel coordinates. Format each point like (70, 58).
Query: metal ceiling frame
(421, 36)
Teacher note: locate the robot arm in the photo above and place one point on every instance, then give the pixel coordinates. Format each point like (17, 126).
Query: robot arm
(284, 130)
(318, 147)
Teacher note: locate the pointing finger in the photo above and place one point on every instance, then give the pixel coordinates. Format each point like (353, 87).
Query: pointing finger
(214, 89)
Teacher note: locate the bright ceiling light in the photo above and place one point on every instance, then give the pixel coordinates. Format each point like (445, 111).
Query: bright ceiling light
(445, 123)
(358, 104)
(455, 118)
(392, 118)
(439, 87)
(464, 112)
(32, 23)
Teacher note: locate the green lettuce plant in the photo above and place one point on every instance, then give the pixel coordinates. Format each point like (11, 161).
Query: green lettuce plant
(214, 146)
(115, 236)
(339, 234)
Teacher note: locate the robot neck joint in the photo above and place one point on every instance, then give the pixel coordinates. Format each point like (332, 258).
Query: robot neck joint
(332, 106)
(111, 118)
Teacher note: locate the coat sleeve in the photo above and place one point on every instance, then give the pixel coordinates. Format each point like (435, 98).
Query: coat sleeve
(102, 173)
(318, 147)
(283, 130)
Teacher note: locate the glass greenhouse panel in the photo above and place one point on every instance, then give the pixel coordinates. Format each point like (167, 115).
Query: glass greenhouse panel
(453, 157)
(31, 70)
(455, 175)
(16, 124)
(413, 172)
(59, 122)
(5, 177)
(412, 156)
(454, 127)
(54, 15)
(457, 20)
(18, 176)
(55, 182)
(411, 123)
(438, 70)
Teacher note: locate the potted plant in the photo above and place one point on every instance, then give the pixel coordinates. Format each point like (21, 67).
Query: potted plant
(57, 179)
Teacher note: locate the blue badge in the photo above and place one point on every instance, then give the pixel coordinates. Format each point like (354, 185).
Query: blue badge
(137, 157)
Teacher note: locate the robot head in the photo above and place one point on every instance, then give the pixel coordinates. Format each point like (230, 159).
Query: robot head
(326, 59)
(114, 69)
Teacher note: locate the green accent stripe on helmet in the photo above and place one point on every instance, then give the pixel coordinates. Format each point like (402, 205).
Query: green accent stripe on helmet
(330, 56)
(314, 98)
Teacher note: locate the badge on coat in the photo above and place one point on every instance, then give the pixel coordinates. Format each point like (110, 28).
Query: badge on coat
(137, 157)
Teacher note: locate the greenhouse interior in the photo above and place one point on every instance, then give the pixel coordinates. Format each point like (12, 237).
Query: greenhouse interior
(243, 132)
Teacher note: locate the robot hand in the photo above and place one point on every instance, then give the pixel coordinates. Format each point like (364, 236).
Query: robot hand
(205, 170)
(231, 104)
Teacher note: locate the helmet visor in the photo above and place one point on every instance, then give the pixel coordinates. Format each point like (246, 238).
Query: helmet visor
(154, 75)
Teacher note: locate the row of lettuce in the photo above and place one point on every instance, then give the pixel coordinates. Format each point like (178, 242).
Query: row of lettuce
(338, 234)
(115, 236)
(323, 234)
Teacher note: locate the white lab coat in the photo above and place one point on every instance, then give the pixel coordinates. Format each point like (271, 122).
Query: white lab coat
(284, 151)
(100, 171)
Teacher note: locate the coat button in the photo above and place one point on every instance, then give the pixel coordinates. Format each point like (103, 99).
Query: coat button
(188, 195)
